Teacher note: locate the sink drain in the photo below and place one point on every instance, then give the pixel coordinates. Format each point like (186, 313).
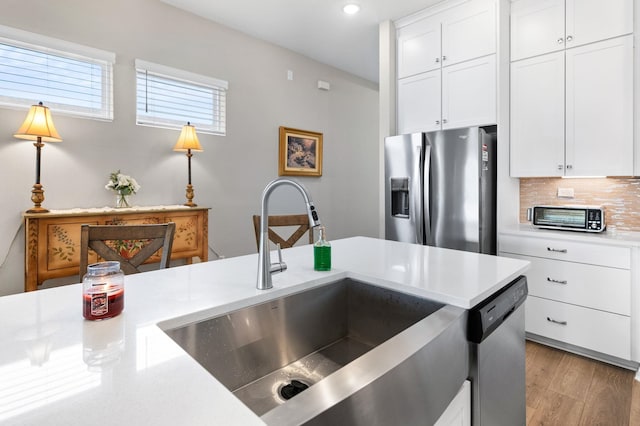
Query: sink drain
(292, 389)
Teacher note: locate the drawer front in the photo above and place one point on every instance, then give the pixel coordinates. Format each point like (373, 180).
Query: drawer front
(598, 287)
(573, 251)
(588, 328)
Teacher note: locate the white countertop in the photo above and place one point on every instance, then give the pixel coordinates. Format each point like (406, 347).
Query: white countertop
(58, 369)
(608, 236)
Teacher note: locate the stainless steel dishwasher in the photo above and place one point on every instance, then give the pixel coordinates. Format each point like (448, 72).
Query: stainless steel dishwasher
(497, 368)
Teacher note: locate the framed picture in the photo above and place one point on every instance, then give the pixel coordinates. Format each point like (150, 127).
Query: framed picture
(300, 153)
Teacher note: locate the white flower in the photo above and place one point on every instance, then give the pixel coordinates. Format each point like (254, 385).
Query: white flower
(122, 183)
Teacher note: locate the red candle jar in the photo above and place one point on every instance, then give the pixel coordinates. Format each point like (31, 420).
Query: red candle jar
(102, 291)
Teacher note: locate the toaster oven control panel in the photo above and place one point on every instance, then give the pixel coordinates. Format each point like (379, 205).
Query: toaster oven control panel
(594, 220)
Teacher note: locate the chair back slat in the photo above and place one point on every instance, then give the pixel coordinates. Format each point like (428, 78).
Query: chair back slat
(299, 220)
(147, 240)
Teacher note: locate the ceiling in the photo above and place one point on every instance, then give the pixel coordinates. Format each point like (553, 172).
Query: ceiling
(318, 29)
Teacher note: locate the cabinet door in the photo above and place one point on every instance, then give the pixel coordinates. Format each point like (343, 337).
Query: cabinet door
(469, 31)
(537, 116)
(537, 27)
(458, 413)
(469, 93)
(588, 21)
(419, 47)
(419, 103)
(599, 126)
(588, 328)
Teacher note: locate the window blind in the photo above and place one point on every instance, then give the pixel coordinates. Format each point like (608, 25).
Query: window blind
(168, 97)
(65, 81)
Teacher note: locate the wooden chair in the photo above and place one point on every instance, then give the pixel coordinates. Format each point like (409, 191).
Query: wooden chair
(300, 220)
(131, 245)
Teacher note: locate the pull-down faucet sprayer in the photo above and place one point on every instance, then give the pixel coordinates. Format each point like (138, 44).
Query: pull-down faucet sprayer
(265, 267)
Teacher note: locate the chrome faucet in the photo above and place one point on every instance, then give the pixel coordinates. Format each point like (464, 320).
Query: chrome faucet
(265, 267)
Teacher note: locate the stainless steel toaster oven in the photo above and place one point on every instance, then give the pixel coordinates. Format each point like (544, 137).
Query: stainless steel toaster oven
(573, 218)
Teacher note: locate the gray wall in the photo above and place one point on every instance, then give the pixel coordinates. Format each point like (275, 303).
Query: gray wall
(232, 171)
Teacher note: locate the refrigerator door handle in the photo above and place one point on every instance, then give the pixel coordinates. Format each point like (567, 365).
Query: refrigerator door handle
(426, 195)
(415, 212)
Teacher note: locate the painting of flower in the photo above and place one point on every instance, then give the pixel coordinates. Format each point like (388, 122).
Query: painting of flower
(300, 153)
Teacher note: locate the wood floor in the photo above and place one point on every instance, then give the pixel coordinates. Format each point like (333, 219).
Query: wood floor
(566, 389)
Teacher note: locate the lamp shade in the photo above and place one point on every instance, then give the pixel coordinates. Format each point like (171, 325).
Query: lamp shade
(188, 139)
(38, 124)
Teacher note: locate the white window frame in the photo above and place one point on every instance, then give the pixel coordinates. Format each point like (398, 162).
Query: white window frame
(61, 48)
(216, 121)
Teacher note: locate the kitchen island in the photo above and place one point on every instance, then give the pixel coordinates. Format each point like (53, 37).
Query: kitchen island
(57, 368)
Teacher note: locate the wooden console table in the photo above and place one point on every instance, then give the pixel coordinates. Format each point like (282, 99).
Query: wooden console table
(52, 240)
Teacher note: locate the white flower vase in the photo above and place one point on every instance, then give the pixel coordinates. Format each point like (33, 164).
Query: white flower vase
(122, 200)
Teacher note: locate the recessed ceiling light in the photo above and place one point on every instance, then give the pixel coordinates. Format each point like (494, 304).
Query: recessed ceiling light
(351, 9)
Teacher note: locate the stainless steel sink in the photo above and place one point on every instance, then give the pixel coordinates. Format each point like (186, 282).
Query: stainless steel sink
(357, 347)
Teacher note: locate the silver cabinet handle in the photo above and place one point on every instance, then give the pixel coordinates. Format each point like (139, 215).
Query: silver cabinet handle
(444, 58)
(556, 250)
(444, 121)
(437, 60)
(560, 40)
(556, 321)
(569, 38)
(560, 166)
(551, 280)
(569, 166)
(437, 121)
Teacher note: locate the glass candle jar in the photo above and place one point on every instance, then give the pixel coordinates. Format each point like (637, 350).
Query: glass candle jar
(102, 291)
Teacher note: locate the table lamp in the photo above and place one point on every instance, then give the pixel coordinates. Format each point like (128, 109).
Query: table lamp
(188, 141)
(38, 126)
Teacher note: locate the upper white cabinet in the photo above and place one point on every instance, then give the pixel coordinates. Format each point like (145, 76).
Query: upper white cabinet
(537, 116)
(469, 31)
(599, 109)
(446, 68)
(419, 103)
(544, 26)
(469, 93)
(572, 112)
(455, 35)
(571, 88)
(419, 47)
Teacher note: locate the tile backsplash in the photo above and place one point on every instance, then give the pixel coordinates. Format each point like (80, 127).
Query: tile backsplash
(619, 196)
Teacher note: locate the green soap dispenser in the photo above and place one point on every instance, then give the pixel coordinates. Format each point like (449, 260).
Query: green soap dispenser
(322, 252)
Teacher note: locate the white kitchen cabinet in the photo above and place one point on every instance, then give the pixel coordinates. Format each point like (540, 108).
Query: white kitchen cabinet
(454, 35)
(457, 96)
(446, 68)
(458, 413)
(419, 103)
(469, 93)
(537, 116)
(469, 31)
(599, 109)
(544, 26)
(572, 112)
(419, 47)
(579, 292)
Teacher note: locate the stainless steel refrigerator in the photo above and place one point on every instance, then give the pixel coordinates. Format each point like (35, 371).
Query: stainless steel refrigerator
(440, 188)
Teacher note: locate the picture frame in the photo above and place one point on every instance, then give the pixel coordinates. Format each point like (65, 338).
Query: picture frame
(300, 152)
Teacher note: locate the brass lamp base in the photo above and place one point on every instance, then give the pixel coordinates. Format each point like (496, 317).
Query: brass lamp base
(190, 195)
(37, 196)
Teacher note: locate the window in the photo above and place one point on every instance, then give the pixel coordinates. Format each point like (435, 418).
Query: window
(167, 97)
(67, 77)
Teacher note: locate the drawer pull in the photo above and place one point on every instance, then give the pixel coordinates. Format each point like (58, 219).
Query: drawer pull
(556, 250)
(556, 321)
(551, 280)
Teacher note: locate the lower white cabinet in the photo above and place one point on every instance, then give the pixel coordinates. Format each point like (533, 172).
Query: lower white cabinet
(588, 328)
(458, 413)
(579, 292)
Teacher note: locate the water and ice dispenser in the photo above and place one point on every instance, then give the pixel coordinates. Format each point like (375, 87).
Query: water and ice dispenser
(400, 197)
